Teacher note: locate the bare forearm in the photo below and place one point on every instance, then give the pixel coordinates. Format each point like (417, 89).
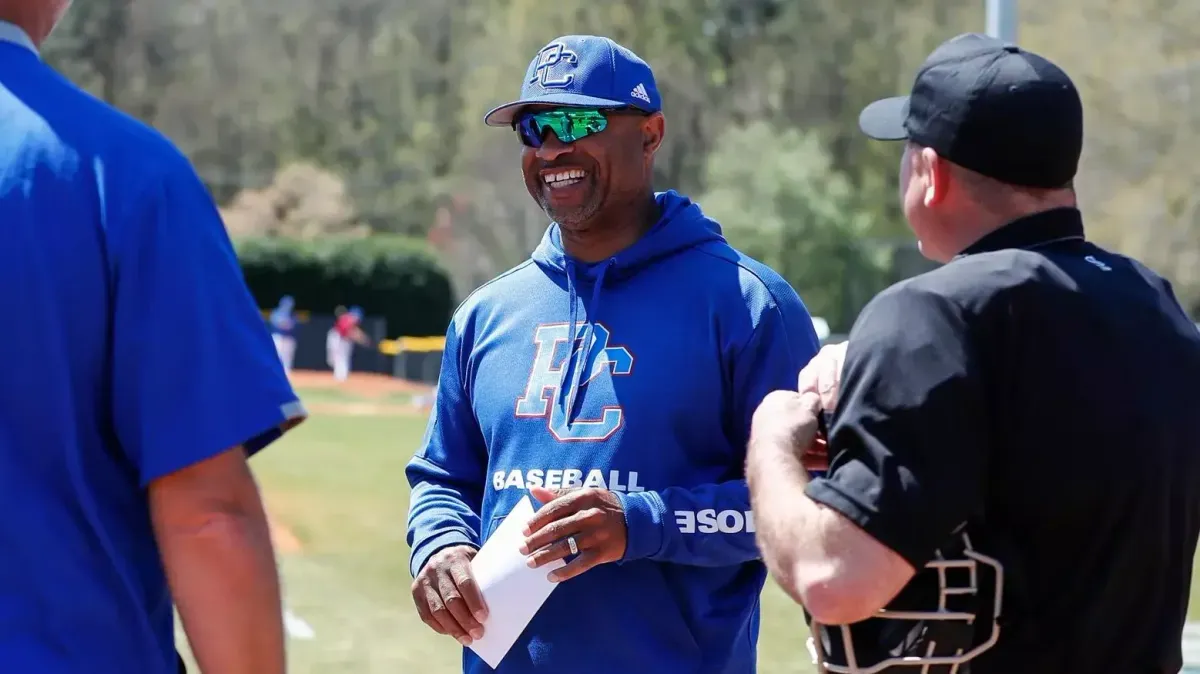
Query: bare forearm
(782, 514)
(820, 559)
(225, 582)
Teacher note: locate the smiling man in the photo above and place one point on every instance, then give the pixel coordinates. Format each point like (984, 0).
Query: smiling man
(613, 378)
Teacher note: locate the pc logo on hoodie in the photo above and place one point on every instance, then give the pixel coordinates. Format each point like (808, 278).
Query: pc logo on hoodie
(555, 380)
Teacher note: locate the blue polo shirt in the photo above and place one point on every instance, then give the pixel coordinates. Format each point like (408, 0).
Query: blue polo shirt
(134, 349)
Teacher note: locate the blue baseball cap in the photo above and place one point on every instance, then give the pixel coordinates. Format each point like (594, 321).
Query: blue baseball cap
(583, 71)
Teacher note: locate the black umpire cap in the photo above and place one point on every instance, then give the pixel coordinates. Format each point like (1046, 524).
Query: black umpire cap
(991, 107)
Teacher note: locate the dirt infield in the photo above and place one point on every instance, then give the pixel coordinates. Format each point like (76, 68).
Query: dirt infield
(365, 384)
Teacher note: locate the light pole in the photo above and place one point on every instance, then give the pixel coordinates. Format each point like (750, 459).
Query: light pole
(1002, 19)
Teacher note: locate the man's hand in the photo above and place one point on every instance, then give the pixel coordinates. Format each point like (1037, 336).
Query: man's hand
(447, 598)
(788, 419)
(592, 517)
(815, 458)
(823, 374)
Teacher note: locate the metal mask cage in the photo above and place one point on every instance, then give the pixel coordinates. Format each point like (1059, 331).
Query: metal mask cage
(970, 563)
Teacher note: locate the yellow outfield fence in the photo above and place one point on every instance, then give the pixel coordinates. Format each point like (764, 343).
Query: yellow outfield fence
(301, 315)
(392, 347)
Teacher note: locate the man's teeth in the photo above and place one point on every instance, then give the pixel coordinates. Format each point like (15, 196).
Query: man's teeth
(564, 178)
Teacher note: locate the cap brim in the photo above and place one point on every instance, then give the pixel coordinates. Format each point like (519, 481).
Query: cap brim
(884, 119)
(504, 114)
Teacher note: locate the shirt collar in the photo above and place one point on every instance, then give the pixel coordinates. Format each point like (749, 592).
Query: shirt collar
(13, 34)
(1032, 231)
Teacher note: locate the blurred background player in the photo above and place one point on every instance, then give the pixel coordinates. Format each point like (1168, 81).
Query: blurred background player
(339, 344)
(332, 338)
(283, 328)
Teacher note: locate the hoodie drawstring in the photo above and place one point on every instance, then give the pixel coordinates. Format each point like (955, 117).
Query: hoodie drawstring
(571, 299)
(580, 363)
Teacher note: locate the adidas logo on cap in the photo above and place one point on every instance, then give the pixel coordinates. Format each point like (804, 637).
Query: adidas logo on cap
(640, 92)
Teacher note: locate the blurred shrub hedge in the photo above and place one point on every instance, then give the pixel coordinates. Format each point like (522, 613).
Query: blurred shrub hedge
(396, 277)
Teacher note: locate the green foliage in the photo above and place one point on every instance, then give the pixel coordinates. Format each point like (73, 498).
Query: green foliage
(388, 96)
(392, 276)
(779, 200)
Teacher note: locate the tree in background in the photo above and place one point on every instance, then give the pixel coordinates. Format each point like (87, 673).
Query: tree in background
(303, 202)
(388, 96)
(779, 199)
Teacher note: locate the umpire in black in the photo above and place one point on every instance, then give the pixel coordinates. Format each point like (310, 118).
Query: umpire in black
(1026, 416)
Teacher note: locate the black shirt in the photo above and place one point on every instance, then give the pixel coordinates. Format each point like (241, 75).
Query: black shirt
(1052, 389)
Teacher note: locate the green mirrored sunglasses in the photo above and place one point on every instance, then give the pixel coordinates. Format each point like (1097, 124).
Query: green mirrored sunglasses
(568, 124)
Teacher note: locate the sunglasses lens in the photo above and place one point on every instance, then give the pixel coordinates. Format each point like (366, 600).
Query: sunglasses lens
(529, 131)
(583, 123)
(568, 125)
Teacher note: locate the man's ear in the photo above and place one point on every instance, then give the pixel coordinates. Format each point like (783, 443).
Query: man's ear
(654, 130)
(938, 172)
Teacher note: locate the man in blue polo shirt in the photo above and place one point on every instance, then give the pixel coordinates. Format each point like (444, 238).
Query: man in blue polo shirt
(140, 379)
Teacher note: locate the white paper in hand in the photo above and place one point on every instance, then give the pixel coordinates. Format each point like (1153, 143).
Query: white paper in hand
(512, 591)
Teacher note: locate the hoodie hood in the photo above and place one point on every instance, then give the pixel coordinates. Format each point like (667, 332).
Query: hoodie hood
(681, 226)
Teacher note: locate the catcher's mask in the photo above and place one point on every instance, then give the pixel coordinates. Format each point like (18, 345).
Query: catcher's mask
(947, 615)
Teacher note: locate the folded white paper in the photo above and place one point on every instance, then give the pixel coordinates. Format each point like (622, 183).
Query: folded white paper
(512, 591)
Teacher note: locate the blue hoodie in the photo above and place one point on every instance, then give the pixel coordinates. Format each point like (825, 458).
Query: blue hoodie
(685, 336)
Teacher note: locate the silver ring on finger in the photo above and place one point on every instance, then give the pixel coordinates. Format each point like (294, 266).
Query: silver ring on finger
(572, 545)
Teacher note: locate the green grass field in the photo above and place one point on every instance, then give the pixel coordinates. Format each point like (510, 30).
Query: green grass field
(337, 483)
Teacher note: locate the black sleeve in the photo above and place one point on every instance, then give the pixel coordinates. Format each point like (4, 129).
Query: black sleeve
(909, 442)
